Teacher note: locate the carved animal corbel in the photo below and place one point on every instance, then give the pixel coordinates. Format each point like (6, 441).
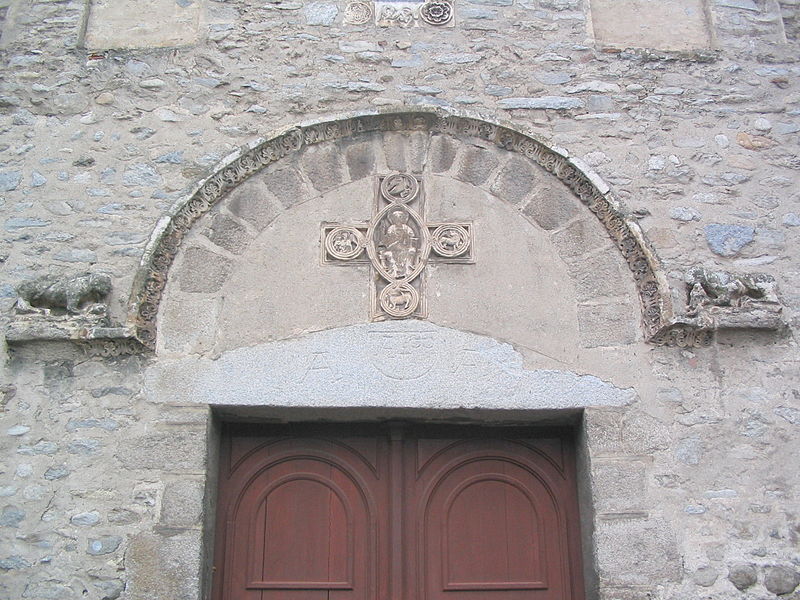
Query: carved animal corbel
(727, 300)
(82, 295)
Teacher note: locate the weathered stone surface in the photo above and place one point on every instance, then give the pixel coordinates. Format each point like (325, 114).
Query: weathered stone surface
(100, 147)
(781, 580)
(476, 165)
(85, 519)
(542, 103)
(118, 24)
(251, 202)
(551, 208)
(320, 13)
(11, 516)
(179, 450)
(182, 504)
(621, 541)
(443, 153)
(323, 167)
(228, 234)
(650, 29)
(360, 159)
(286, 185)
(606, 325)
(164, 566)
(359, 374)
(9, 180)
(103, 545)
(742, 576)
(728, 240)
(620, 485)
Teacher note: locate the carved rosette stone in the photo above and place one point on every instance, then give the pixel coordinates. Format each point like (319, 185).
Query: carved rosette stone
(358, 13)
(437, 12)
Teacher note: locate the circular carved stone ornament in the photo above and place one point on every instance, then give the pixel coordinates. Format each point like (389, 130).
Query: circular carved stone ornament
(437, 12)
(450, 241)
(399, 300)
(357, 13)
(399, 188)
(344, 243)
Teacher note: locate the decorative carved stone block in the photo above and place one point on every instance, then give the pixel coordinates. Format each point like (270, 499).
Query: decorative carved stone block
(389, 13)
(398, 244)
(717, 300)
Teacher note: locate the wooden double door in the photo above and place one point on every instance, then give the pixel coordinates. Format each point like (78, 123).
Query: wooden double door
(396, 512)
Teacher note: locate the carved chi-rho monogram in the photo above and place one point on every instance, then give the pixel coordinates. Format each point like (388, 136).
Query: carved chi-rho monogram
(398, 244)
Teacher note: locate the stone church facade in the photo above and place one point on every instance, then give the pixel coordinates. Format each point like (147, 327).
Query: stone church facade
(552, 215)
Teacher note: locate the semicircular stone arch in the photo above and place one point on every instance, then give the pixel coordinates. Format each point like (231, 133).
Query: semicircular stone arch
(211, 253)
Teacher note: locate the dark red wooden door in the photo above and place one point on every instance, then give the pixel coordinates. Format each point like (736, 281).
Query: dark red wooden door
(396, 513)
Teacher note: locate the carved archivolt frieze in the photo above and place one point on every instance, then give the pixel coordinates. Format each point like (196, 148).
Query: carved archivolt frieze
(344, 243)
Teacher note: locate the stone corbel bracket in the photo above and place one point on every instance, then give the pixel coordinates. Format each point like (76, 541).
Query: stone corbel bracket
(93, 339)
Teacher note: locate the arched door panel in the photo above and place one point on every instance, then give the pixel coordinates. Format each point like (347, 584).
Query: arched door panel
(396, 513)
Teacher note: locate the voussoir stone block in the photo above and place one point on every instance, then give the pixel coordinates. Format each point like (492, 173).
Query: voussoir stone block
(405, 152)
(252, 202)
(599, 275)
(516, 180)
(551, 207)
(580, 237)
(443, 153)
(228, 234)
(360, 159)
(203, 271)
(476, 165)
(323, 167)
(286, 184)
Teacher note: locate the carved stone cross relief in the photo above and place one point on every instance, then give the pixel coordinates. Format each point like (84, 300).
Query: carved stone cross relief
(398, 244)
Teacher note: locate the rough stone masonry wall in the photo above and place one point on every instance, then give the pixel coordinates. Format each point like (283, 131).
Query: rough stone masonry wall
(101, 487)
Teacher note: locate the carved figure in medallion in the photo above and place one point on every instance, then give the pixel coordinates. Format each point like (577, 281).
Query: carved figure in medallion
(437, 12)
(357, 13)
(399, 299)
(400, 188)
(398, 246)
(450, 241)
(344, 243)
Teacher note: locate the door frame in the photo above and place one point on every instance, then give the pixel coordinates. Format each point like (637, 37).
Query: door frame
(567, 425)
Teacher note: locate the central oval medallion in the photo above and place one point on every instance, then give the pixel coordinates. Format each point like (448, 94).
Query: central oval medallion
(398, 243)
